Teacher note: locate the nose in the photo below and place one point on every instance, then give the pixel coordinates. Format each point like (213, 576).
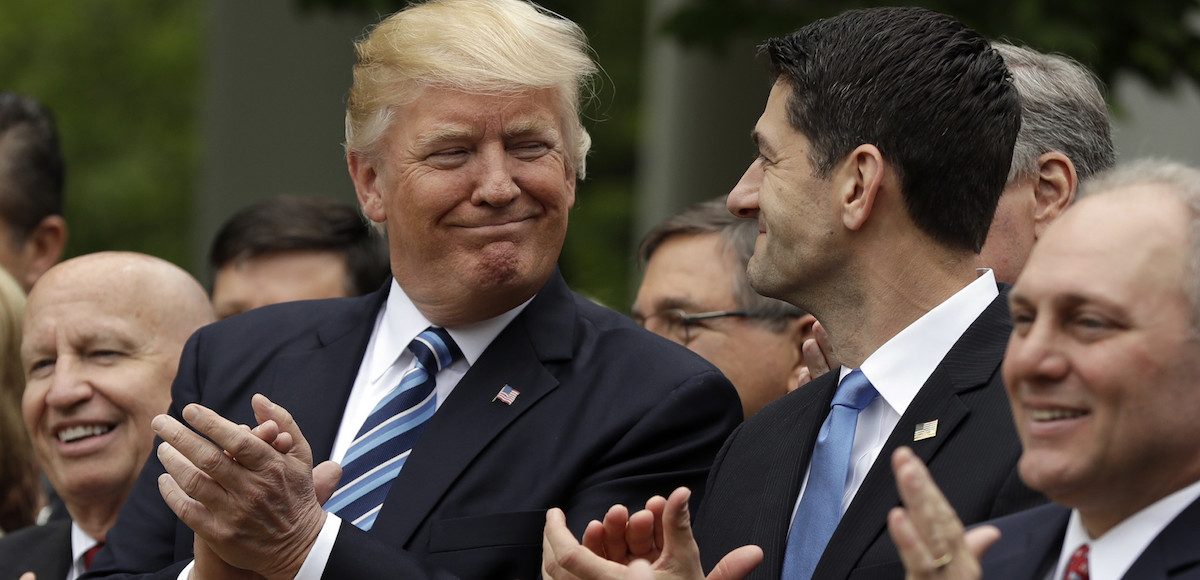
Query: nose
(497, 186)
(743, 198)
(1035, 356)
(68, 386)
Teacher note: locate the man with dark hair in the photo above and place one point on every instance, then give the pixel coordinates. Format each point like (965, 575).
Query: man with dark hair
(32, 230)
(874, 188)
(694, 291)
(1065, 138)
(294, 248)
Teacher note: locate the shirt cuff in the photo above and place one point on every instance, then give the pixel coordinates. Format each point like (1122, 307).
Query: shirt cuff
(318, 556)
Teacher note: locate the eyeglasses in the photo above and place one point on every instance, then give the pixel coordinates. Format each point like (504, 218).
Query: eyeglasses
(679, 326)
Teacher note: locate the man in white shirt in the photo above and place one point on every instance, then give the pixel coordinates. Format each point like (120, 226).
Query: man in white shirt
(1103, 373)
(101, 341)
(874, 188)
(469, 396)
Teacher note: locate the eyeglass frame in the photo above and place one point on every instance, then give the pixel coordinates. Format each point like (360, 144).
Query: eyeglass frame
(687, 321)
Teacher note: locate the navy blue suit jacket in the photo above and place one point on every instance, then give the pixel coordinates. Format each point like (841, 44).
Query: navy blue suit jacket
(1031, 542)
(43, 550)
(757, 476)
(607, 413)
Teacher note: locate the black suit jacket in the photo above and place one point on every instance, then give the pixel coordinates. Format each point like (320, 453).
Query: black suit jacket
(1031, 541)
(756, 479)
(43, 550)
(607, 413)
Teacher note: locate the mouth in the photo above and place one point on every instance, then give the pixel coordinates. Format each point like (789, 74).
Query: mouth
(77, 433)
(1058, 414)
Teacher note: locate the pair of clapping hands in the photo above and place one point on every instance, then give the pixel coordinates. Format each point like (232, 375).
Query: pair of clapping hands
(251, 495)
(656, 543)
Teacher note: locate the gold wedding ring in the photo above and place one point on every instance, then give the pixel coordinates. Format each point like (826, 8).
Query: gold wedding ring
(943, 561)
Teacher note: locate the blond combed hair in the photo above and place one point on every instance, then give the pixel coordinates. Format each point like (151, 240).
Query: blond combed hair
(497, 47)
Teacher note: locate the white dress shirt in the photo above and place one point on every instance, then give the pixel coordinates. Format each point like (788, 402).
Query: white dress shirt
(386, 359)
(900, 367)
(80, 544)
(1111, 555)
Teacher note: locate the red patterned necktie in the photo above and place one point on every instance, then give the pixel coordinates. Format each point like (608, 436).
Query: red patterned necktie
(1077, 567)
(90, 555)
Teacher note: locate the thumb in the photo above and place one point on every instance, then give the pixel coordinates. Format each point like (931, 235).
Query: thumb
(737, 564)
(979, 539)
(325, 480)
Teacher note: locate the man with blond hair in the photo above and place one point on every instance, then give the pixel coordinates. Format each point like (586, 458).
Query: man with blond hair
(473, 393)
(101, 341)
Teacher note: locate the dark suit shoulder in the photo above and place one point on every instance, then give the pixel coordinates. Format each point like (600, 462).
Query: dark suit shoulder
(45, 550)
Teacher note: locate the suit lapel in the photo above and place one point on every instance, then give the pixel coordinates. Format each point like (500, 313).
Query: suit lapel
(469, 419)
(314, 385)
(1029, 549)
(1174, 551)
(792, 459)
(969, 365)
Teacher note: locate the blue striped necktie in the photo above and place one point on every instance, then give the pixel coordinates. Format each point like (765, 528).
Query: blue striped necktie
(388, 435)
(820, 509)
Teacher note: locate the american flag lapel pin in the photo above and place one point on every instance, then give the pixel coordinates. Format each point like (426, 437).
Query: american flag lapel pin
(927, 430)
(507, 395)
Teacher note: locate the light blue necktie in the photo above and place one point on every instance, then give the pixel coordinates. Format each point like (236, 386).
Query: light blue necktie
(821, 507)
(388, 435)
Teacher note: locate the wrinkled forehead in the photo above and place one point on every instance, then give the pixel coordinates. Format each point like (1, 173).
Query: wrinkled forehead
(80, 316)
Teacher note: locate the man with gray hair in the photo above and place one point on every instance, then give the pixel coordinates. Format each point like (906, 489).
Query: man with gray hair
(1065, 138)
(1103, 374)
(467, 397)
(694, 291)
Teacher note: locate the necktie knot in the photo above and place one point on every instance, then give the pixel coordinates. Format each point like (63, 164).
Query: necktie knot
(855, 392)
(1077, 566)
(434, 349)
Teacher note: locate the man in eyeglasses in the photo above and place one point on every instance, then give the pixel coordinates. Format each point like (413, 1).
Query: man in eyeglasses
(695, 292)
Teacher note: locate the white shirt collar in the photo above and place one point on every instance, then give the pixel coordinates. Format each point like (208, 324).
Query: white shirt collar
(81, 542)
(901, 366)
(400, 322)
(1111, 555)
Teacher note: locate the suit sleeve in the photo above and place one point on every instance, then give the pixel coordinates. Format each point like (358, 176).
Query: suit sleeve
(148, 540)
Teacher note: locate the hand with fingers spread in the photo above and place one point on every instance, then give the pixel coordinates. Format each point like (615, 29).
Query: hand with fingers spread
(254, 503)
(927, 532)
(818, 356)
(678, 557)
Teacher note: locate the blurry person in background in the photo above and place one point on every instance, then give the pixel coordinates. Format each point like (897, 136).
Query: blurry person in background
(32, 230)
(694, 291)
(1065, 138)
(294, 248)
(19, 497)
(101, 342)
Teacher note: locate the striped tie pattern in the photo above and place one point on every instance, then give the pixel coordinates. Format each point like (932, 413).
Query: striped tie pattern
(386, 438)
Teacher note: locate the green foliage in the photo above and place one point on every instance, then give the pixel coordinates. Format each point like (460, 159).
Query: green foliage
(122, 77)
(1151, 40)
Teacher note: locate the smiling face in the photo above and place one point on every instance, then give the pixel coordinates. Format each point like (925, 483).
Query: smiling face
(1103, 366)
(795, 209)
(474, 191)
(100, 354)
